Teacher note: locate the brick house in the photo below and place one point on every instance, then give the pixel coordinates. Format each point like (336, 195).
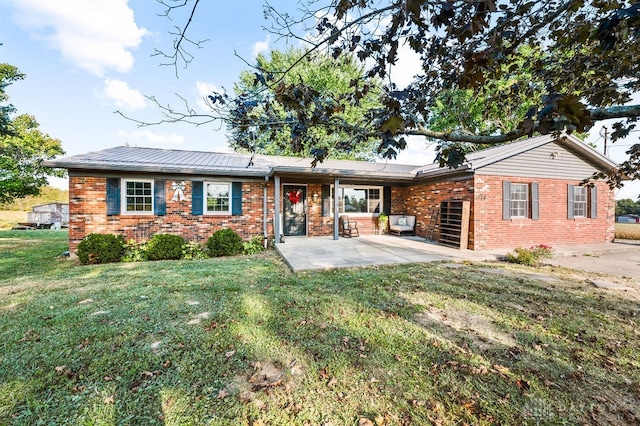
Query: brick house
(519, 194)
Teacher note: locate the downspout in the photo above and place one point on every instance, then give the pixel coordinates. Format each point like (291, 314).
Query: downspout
(276, 219)
(265, 234)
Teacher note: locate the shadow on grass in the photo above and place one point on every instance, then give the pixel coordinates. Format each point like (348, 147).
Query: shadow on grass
(176, 342)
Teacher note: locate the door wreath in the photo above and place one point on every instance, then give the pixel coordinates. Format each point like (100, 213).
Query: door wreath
(294, 196)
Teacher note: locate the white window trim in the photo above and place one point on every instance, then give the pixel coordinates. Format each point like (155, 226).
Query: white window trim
(205, 195)
(527, 201)
(123, 197)
(358, 214)
(576, 189)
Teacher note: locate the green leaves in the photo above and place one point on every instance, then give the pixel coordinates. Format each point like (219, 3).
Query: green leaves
(21, 157)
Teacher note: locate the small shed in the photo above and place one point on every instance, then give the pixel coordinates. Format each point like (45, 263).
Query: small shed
(49, 214)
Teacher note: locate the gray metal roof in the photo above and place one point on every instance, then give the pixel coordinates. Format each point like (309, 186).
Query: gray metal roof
(135, 159)
(125, 158)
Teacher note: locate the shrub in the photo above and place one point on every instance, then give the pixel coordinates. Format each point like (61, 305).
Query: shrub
(530, 256)
(134, 252)
(253, 246)
(100, 248)
(225, 242)
(192, 251)
(164, 247)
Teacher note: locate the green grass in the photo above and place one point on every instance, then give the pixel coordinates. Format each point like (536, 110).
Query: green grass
(243, 341)
(628, 231)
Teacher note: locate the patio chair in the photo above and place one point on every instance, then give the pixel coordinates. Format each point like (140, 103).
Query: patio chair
(348, 228)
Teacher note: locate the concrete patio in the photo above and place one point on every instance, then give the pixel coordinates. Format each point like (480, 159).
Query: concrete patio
(308, 254)
(321, 253)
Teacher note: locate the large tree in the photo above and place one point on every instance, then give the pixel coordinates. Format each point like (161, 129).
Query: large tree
(8, 75)
(327, 76)
(23, 147)
(21, 157)
(588, 68)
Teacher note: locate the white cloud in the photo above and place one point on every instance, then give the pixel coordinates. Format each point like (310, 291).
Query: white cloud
(261, 46)
(203, 89)
(406, 68)
(95, 35)
(122, 95)
(148, 137)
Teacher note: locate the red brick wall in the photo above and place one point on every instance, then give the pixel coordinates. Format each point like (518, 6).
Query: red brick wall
(552, 228)
(422, 199)
(87, 215)
(318, 225)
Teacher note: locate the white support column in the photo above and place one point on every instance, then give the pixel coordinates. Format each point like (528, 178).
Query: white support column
(336, 204)
(276, 220)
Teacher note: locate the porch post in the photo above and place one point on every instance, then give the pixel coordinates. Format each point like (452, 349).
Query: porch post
(276, 219)
(336, 204)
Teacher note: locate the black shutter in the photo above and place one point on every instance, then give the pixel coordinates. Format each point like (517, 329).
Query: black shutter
(197, 202)
(506, 200)
(160, 199)
(594, 203)
(113, 196)
(326, 200)
(570, 202)
(535, 201)
(386, 200)
(236, 198)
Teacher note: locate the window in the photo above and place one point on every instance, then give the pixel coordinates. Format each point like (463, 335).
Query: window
(579, 201)
(519, 200)
(217, 198)
(358, 200)
(582, 202)
(137, 197)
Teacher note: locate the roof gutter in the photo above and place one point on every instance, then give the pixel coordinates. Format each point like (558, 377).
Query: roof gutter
(340, 173)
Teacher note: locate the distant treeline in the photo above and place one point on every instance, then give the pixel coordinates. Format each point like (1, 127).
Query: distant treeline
(48, 194)
(627, 206)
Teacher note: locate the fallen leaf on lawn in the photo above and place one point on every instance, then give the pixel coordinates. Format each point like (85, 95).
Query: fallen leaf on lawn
(379, 420)
(222, 394)
(166, 364)
(229, 354)
(374, 380)
(108, 378)
(61, 368)
(501, 369)
(323, 374)
(146, 374)
(332, 382)
(109, 400)
(84, 344)
(258, 423)
(522, 384)
(365, 422)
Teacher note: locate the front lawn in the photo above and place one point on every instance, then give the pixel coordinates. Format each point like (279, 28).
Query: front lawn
(242, 340)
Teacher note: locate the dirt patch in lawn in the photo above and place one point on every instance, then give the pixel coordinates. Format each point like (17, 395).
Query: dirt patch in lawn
(459, 325)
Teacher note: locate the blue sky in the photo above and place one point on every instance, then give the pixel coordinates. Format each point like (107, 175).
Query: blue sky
(84, 60)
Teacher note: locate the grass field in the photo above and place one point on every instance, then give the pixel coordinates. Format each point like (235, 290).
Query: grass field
(243, 341)
(628, 231)
(9, 218)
